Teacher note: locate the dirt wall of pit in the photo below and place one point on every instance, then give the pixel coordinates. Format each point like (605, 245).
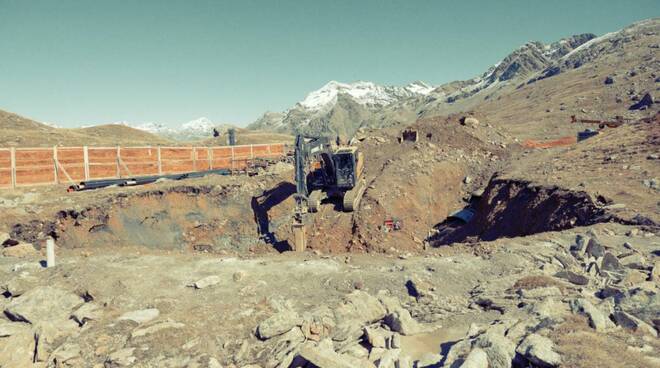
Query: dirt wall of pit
(510, 208)
(189, 218)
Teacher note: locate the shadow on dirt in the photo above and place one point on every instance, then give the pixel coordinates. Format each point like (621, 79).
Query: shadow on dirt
(260, 207)
(511, 208)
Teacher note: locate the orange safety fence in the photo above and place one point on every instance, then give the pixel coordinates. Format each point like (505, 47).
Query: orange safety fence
(56, 165)
(565, 141)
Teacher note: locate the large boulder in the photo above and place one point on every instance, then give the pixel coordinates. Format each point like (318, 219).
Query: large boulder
(499, 349)
(573, 277)
(43, 304)
(17, 350)
(539, 350)
(655, 272)
(278, 324)
(430, 360)
(597, 319)
(51, 334)
(633, 323)
(20, 250)
(19, 285)
(324, 357)
(67, 355)
(359, 308)
(594, 248)
(611, 263)
(469, 121)
(643, 304)
(476, 359)
(644, 103)
(402, 322)
(87, 312)
(206, 282)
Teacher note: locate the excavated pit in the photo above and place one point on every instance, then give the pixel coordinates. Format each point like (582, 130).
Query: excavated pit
(186, 218)
(512, 208)
(231, 218)
(227, 219)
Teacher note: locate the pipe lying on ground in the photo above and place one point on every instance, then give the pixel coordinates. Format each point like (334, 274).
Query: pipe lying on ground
(141, 180)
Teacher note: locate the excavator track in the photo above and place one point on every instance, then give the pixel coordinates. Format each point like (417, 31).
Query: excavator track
(352, 197)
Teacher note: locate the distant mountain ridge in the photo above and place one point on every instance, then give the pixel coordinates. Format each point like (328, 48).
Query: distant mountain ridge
(201, 128)
(330, 107)
(342, 108)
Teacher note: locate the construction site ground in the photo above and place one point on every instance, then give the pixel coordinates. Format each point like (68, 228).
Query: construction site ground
(201, 266)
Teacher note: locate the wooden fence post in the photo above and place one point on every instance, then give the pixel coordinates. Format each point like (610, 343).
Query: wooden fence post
(57, 179)
(210, 158)
(118, 167)
(160, 163)
(194, 158)
(86, 162)
(12, 151)
(232, 158)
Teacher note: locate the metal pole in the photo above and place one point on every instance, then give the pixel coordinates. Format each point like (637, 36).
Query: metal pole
(50, 252)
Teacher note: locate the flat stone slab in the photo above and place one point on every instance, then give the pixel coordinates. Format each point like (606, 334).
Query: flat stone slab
(140, 316)
(43, 304)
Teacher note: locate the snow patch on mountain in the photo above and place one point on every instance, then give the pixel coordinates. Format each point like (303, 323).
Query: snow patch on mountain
(201, 125)
(362, 92)
(52, 125)
(589, 43)
(195, 129)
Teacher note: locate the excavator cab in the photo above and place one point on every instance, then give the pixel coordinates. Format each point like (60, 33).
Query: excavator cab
(345, 162)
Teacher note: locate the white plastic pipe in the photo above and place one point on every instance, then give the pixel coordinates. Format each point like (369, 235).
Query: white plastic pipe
(50, 252)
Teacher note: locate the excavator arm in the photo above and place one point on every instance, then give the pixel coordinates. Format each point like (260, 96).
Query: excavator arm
(306, 150)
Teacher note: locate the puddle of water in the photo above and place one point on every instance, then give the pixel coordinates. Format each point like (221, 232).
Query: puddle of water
(440, 340)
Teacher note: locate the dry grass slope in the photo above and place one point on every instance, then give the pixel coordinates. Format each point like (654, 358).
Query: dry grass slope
(18, 131)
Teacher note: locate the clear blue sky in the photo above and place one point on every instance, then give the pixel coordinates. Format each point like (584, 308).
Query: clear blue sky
(82, 62)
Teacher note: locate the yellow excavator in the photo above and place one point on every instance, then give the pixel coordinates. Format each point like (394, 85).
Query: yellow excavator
(325, 169)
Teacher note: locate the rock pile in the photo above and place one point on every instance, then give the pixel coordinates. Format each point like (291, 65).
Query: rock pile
(363, 331)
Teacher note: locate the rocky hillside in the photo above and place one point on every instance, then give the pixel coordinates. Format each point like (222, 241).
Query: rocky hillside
(612, 75)
(525, 61)
(627, 59)
(341, 108)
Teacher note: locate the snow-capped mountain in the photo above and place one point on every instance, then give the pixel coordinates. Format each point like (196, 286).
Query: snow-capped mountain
(526, 60)
(52, 125)
(200, 126)
(193, 130)
(364, 93)
(340, 108)
(155, 128)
